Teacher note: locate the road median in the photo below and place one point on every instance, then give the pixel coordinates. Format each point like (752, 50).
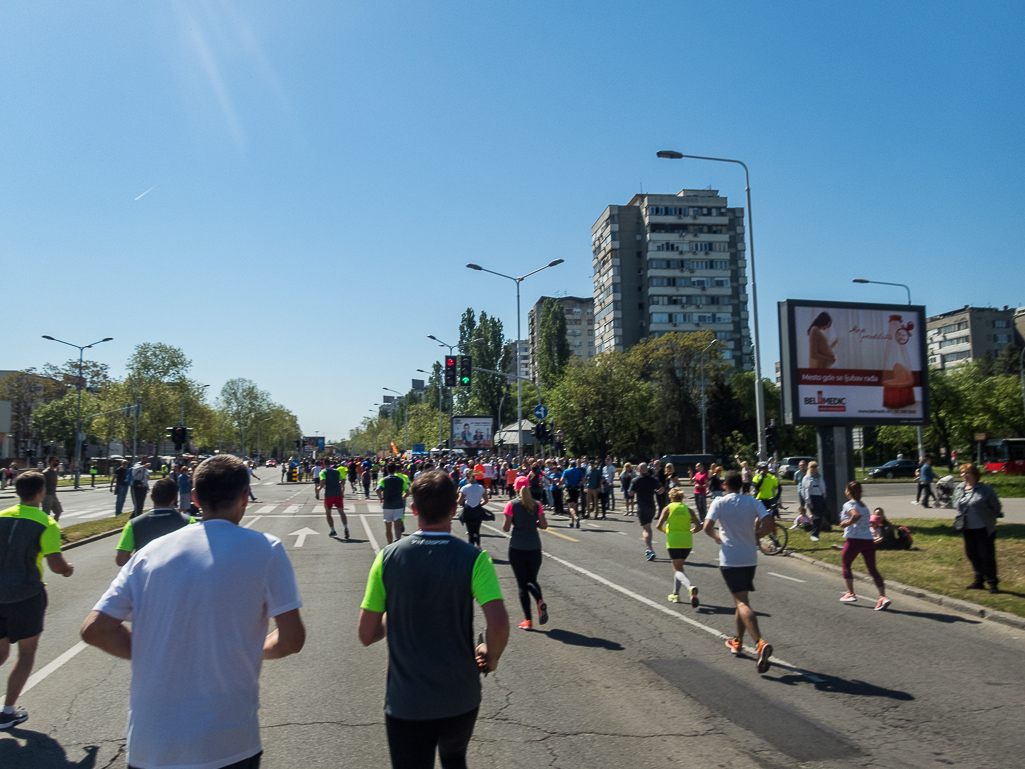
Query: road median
(80, 533)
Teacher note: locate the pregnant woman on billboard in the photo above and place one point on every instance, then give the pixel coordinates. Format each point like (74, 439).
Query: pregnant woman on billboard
(820, 350)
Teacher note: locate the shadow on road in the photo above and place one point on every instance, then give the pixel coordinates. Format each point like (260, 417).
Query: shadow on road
(710, 609)
(576, 639)
(947, 618)
(40, 750)
(828, 683)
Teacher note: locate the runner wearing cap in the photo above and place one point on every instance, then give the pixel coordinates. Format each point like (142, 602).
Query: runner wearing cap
(525, 516)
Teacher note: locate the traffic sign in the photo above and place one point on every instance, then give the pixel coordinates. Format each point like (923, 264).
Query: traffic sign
(541, 412)
(419, 448)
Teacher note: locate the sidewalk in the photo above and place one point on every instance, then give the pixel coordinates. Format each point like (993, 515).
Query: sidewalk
(902, 506)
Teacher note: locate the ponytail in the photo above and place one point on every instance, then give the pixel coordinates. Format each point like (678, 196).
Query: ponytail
(527, 499)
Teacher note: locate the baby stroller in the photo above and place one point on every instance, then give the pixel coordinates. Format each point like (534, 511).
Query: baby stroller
(945, 491)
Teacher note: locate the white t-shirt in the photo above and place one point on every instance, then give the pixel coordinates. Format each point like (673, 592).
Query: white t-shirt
(862, 528)
(737, 514)
(199, 600)
(473, 492)
(609, 473)
(489, 470)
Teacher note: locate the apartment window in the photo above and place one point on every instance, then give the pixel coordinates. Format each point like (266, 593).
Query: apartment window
(660, 317)
(952, 357)
(659, 282)
(721, 282)
(1001, 324)
(705, 318)
(724, 336)
(953, 341)
(682, 317)
(720, 246)
(962, 326)
(699, 282)
(1002, 338)
(720, 264)
(700, 246)
(727, 354)
(699, 264)
(722, 317)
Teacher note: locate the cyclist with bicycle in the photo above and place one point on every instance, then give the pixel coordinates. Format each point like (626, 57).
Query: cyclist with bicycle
(766, 486)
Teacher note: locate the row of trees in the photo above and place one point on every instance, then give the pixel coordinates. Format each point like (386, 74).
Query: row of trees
(44, 404)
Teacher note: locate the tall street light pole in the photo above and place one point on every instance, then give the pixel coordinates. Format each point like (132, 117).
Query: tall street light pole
(759, 395)
(405, 404)
(519, 380)
(704, 407)
(921, 438)
(78, 417)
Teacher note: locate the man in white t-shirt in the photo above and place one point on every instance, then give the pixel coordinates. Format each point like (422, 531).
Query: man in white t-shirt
(199, 600)
(743, 520)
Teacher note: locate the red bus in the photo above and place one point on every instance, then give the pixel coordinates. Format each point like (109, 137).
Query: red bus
(1005, 456)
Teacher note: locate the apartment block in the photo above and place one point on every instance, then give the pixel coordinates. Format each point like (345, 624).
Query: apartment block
(579, 313)
(667, 262)
(510, 351)
(970, 333)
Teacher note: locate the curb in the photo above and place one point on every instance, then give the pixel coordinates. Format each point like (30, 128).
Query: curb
(972, 609)
(87, 540)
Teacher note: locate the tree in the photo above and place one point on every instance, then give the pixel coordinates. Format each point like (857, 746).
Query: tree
(56, 421)
(486, 389)
(157, 380)
(467, 329)
(243, 403)
(603, 407)
(552, 344)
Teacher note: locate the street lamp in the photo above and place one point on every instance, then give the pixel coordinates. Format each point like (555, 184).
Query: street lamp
(405, 441)
(704, 357)
(78, 418)
(759, 395)
(519, 381)
(921, 439)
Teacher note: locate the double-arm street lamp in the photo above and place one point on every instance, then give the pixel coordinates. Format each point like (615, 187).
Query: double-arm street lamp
(519, 380)
(921, 438)
(757, 351)
(78, 418)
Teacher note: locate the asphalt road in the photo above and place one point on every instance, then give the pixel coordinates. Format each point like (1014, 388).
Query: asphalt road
(619, 677)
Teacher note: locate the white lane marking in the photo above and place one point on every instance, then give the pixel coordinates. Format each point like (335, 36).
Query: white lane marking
(301, 535)
(592, 525)
(370, 534)
(252, 522)
(784, 576)
(292, 509)
(648, 602)
(265, 509)
(39, 675)
(623, 533)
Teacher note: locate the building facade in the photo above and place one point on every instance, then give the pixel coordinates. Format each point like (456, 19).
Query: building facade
(510, 356)
(671, 263)
(579, 313)
(964, 335)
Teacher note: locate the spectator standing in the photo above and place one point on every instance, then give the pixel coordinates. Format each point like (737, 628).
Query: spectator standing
(699, 478)
(424, 587)
(926, 477)
(610, 479)
(140, 486)
(594, 477)
(120, 483)
(813, 491)
(199, 600)
(27, 536)
(184, 488)
(978, 509)
(625, 479)
(51, 504)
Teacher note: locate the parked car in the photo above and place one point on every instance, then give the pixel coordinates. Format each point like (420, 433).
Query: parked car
(788, 465)
(896, 468)
(272, 463)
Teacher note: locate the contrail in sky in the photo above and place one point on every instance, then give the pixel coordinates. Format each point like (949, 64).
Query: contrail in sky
(148, 191)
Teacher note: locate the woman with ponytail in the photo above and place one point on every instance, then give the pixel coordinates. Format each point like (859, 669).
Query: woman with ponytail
(524, 516)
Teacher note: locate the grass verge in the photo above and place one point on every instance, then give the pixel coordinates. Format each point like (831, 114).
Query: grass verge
(937, 562)
(79, 531)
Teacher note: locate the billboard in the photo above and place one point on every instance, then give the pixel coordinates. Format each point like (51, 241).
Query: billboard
(472, 432)
(314, 445)
(853, 363)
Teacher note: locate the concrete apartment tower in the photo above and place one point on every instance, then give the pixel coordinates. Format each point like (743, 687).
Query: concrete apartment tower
(579, 313)
(671, 263)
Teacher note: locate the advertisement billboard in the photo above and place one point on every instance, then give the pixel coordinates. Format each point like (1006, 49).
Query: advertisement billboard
(472, 432)
(313, 445)
(853, 363)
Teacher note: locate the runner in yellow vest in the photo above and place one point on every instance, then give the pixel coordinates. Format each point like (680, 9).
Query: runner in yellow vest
(675, 521)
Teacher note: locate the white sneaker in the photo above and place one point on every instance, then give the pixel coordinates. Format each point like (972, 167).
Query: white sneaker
(794, 526)
(849, 598)
(814, 538)
(915, 502)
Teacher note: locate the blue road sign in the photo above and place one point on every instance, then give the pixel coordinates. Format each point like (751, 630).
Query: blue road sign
(418, 448)
(541, 412)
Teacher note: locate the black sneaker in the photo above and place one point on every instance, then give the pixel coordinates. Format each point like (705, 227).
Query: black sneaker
(542, 613)
(346, 533)
(7, 720)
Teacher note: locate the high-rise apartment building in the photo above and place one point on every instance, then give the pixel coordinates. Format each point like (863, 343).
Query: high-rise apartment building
(671, 263)
(510, 351)
(970, 333)
(579, 313)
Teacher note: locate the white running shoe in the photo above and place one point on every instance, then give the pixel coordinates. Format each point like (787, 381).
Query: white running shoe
(848, 598)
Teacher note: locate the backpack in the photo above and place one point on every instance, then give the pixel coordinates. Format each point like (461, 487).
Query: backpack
(904, 538)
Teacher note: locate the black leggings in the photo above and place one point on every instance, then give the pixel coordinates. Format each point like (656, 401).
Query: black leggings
(412, 743)
(525, 565)
(472, 522)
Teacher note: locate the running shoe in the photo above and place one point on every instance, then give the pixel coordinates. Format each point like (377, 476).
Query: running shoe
(764, 650)
(649, 554)
(883, 603)
(8, 720)
(674, 598)
(694, 602)
(526, 625)
(813, 538)
(542, 613)
(333, 533)
(578, 523)
(346, 532)
(848, 598)
(735, 645)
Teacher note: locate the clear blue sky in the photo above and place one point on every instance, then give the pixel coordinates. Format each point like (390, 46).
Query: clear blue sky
(318, 174)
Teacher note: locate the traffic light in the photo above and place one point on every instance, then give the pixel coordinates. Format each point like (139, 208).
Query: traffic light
(465, 370)
(771, 437)
(450, 371)
(542, 432)
(170, 434)
(180, 436)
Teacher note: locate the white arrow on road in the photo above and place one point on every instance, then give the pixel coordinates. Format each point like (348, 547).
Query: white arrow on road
(301, 535)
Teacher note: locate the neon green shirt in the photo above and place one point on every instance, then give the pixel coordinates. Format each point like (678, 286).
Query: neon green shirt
(769, 486)
(678, 534)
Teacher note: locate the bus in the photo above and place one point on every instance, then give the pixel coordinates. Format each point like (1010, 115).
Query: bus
(1005, 456)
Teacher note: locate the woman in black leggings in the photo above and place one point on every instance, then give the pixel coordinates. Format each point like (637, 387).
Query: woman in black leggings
(473, 496)
(525, 516)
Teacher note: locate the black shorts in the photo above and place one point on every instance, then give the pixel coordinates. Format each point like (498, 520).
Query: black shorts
(678, 553)
(645, 516)
(23, 619)
(574, 493)
(739, 579)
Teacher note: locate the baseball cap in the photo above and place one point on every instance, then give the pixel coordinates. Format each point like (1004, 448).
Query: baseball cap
(521, 481)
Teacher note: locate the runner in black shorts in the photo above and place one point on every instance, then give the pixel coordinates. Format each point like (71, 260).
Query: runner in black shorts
(645, 487)
(27, 535)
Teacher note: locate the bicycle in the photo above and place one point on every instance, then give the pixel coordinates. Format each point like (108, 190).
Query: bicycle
(775, 542)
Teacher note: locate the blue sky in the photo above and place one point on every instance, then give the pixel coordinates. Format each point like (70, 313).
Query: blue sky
(316, 175)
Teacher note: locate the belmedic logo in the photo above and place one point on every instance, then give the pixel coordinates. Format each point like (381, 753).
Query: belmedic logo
(827, 404)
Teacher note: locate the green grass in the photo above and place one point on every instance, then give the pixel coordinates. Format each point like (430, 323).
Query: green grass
(937, 562)
(79, 531)
(101, 480)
